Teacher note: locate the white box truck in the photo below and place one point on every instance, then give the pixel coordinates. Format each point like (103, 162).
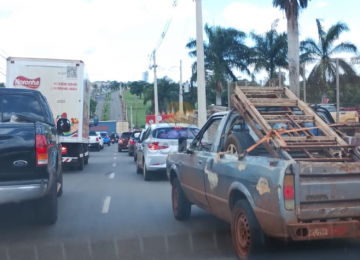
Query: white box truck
(66, 86)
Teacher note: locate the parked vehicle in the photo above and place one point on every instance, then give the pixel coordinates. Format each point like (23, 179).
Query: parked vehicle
(105, 137)
(134, 138)
(30, 152)
(346, 116)
(158, 141)
(66, 85)
(290, 185)
(123, 141)
(94, 141)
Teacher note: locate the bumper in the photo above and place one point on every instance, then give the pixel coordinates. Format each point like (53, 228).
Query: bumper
(326, 230)
(122, 146)
(70, 159)
(21, 191)
(155, 162)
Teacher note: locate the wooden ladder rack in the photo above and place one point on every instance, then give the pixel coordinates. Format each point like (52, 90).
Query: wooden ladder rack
(263, 107)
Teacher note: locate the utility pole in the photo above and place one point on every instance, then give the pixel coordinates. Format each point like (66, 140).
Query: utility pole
(136, 114)
(155, 92)
(337, 92)
(181, 108)
(131, 116)
(202, 116)
(304, 82)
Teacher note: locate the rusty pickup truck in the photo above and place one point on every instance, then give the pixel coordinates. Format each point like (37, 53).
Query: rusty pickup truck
(228, 171)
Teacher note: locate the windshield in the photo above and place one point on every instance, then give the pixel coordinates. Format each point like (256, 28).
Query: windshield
(92, 134)
(103, 134)
(174, 132)
(20, 108)
(126, 135)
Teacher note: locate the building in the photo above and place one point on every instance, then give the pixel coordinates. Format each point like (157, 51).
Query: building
(145, 76)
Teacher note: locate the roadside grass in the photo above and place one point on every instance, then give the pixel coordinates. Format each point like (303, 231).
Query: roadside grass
(106, 108)
(130, 100)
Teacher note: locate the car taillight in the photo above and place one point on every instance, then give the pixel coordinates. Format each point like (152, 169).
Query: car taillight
(132, 142)
(121, 140)
(289, 192)
(97, 139)
(41, 150)
(63, 150)
(155, 146)
(107, 136)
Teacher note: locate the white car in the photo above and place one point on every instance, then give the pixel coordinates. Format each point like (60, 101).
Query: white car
(101, 140)
(156, 142)
(94, 141)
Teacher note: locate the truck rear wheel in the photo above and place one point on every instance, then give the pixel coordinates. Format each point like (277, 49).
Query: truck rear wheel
(247, 236)
(180, 205)
(46, 207)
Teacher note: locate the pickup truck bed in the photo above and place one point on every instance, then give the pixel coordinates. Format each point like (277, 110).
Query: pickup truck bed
(263, 168)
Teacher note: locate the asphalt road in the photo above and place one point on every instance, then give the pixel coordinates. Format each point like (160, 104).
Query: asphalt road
(115, 107)
(109, 212)
(100, 104)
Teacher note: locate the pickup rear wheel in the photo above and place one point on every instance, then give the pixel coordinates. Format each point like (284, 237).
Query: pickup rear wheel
(247, 235)
(180, 204)
(46, 207)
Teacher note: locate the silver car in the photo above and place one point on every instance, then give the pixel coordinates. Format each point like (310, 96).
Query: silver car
(156, 142)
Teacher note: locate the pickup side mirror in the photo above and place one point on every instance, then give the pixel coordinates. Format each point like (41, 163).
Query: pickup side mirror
(182, 144)
(96, 120)
(63, 125)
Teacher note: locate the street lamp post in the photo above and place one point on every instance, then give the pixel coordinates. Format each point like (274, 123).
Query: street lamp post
(202, 117)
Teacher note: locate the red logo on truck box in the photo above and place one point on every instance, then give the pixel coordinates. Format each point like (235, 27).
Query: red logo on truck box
(25, 82)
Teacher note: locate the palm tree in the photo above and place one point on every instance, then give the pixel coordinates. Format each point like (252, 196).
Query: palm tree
(322, 52)
(270, 51)
(225, 52)
(292, 8)
(168, 91)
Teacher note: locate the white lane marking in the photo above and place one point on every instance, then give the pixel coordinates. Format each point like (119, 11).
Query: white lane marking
(114, 158)
(112, 175)
(106, 205)
(114, 164)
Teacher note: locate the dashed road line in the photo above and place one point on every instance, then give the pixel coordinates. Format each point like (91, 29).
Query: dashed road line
(114, 158)
(114, 164)
(106, 204)
(112, 175)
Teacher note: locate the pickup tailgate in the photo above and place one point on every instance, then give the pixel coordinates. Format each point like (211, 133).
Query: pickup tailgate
(327, 190)
(17, 150)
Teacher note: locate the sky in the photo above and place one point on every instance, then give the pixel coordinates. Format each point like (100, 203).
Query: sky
(115, 37)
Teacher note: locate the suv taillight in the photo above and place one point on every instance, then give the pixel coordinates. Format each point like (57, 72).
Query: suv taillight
(132, 142)
(155, 146)
(97, 139)
(289, 192)
(41, 150)
(63, 150)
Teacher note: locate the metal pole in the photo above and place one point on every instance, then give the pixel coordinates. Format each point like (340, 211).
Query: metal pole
(337, 92)
(202, 116)
(181, 108)
(131, 115)
(279, 77)
(304, 82)
(155, 92)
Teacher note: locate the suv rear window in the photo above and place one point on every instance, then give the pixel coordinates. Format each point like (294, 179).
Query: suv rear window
(126, 135)
(174, 132)
(135, 134)
(92, 134)
(20, 108)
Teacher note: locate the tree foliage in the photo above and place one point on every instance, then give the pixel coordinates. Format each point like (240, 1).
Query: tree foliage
(137, 87)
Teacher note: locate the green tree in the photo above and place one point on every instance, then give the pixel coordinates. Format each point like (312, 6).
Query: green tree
(137, 87)
(270, 51)
(168, 91)
(2, 85)
(93, 104)
(292, 9)
(322, 52)
(224, 53)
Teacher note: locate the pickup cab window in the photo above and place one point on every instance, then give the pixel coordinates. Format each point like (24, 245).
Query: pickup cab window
(20, 108)
(205, 140)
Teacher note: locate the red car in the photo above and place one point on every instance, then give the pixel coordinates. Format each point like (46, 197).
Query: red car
(124, 140)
